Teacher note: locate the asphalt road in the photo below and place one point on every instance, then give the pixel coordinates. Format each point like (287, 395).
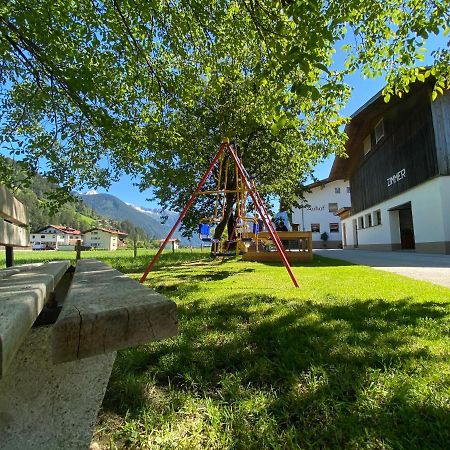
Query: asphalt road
(434, 268)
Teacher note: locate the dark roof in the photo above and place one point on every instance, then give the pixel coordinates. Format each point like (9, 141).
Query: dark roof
(107, 230)
(317, 183)
(362, 121)
(66, 230)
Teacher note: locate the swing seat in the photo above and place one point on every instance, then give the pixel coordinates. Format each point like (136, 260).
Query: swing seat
(205, 239)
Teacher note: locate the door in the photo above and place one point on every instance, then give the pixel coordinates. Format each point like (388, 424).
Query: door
(406, 228)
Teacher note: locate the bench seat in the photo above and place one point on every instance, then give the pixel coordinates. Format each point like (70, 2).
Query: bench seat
(23, 293)
(106, 311)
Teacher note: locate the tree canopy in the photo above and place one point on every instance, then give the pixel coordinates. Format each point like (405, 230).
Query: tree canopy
(93, 89)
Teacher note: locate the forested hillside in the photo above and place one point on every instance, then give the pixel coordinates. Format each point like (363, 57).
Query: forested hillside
(77, 214)
(110, 206)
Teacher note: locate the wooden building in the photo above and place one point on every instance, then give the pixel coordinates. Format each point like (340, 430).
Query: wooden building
(398, 166)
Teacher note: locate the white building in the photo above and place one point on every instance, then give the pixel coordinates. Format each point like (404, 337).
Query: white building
(54, 237)
(174, 243)
(399, 169)
(103, 238)
(321, 202)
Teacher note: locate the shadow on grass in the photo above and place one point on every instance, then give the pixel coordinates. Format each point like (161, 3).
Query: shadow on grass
(336, 375)
(129, 264)
(318, 261)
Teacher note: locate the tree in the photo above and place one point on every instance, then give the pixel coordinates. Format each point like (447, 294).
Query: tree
(93, 89)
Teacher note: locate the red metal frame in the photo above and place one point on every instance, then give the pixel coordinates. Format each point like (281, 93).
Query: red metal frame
(257, 200)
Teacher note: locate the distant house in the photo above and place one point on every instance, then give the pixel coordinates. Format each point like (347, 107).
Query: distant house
(54, 237)
(104, 238)
(321, 202)
(174, 243)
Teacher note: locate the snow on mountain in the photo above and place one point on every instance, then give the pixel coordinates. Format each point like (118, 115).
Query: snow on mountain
(149, 211)
(157, 214)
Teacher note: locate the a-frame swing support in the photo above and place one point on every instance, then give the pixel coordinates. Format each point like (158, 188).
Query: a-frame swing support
(257, 201)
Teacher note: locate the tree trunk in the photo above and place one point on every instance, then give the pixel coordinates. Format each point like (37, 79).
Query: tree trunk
(228, 214)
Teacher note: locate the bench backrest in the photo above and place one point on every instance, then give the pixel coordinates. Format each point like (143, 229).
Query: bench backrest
(13, 224)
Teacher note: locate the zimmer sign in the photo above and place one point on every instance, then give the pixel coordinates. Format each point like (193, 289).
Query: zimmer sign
(396, 177)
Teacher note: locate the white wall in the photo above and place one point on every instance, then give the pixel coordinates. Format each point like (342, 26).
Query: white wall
(101, 239)
(318, 200)
(53, 237)
(445, 196)
(430, 205)
(50, 236)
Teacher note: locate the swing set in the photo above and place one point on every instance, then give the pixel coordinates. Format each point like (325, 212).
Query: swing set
(246, 228)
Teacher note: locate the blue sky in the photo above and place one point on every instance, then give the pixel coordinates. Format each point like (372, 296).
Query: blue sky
(362, 90)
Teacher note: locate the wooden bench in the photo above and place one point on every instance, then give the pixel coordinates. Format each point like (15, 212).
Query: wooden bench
(53, 376)
(13, 224)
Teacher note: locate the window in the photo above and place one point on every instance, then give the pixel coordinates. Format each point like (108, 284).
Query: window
(315, 227)
(34, 236)
(95, 232)
(379, 131)
(348, 189)
(337, 190)
(42, 236)
(361, 222)
(332, 207)
(367, 143)
(334, 227)
(368, 220)
(377, 217)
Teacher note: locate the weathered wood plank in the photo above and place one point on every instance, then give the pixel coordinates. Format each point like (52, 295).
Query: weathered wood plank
(440, 109)
(11, 209)
(11, 234)
(22, 297)
(106, 311)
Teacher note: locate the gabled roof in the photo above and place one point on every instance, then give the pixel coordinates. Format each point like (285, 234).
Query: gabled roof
(107, 230)
(62, 229)
(317, 183)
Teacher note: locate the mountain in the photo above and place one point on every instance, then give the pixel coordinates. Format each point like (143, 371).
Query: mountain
(169, 216)
(74, 215)
(146, 218)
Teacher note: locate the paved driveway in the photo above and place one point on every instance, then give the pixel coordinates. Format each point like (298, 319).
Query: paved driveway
(421, 266)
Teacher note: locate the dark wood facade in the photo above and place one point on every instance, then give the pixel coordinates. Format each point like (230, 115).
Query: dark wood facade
(402, 159)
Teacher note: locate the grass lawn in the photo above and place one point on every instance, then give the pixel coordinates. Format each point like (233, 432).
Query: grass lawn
(355, 358)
